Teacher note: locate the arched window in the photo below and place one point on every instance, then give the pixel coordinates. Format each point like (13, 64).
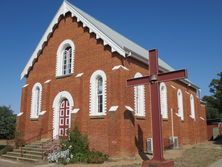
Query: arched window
(65, 58)
(36, 100)
(98, 93)
(163, 100)
(139, 98)
(67, 61)
(192, 107)
(180, 104)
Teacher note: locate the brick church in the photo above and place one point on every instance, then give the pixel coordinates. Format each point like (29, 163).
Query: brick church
(77, 76)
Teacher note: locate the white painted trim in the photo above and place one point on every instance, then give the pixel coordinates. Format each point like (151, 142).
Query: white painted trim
(177, 114)
(75, 110)
(25, 85)
(93, 109)
(163, 100)
(187, 92)
(47, 81)
(180, 104)
(173, 87)
(119, 67)
(202, 118)
(19, 114)
(67, 7)
(79, 75)
(42, 112)
(139, 98)
(59, 56)
(192, 106)
(129, 108)
(56, 107)
(113, 108)
(33, 113)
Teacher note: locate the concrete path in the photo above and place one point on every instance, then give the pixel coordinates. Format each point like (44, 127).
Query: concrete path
(217, 164)
(13, 163)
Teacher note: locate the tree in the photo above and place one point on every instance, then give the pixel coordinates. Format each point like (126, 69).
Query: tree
(7, 123)
(214, 102)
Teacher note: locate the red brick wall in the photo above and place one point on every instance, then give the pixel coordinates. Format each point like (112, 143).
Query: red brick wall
(117, 133)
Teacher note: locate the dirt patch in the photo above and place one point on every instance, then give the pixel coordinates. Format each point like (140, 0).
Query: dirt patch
(3, 142)
(201, 155)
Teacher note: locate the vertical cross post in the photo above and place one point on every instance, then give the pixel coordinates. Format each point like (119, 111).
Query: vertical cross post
(155, 107)
(153, 80)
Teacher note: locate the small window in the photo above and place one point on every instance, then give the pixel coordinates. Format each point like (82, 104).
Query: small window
(65, 58)
(98, 93)
(163, 100)
(36, 101)
(67, 61)
(180, 104)
(192, 107)
(139, 98)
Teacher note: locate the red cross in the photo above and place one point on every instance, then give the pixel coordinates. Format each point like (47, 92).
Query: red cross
(153, 80)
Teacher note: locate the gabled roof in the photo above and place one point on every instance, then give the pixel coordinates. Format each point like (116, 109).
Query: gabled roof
(116, 41)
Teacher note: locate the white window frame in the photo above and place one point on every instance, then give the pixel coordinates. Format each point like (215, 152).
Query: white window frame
(139, 98)
(163, 100)
(59, 58)
(180, 104)
(35, 112)
(192, 107)
(93, 101)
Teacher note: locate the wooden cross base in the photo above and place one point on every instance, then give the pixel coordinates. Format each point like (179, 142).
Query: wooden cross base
(152, 163)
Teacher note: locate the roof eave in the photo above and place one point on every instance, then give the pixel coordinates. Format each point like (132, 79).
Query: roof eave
(145, 61)
(66, 7)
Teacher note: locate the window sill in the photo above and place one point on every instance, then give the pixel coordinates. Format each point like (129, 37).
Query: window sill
(63, 76)
(97, 116)
(165, 119)
(142, 117)
(34, 119)
(192, 117)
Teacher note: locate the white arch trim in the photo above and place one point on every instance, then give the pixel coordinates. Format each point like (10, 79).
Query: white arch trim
(163, 100)
(56, 107)
(192, 107)
(92, 101)
(59, 56)
(139, 98)
(180, 104)
(34, 114)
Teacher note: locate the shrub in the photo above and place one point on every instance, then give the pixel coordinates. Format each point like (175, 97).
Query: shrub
(96, 157)
(77, 142)
(6, 149)
(78, 151)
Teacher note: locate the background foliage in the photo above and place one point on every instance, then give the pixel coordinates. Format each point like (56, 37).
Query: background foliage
(214, 101)
(7, 123)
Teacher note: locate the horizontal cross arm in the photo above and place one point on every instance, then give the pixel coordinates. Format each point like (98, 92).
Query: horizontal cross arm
(138, 81)
(174, 75)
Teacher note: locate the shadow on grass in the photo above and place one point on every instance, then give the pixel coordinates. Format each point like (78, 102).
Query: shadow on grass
(2, 146)
(218, 140)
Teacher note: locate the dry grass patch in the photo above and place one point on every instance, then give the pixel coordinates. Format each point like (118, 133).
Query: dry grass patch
(198, 157)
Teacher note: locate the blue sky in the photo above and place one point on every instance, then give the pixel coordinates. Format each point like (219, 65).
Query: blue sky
(187, 33)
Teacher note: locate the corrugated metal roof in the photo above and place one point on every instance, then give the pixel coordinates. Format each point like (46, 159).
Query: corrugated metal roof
(122, 41)
(119, 43)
